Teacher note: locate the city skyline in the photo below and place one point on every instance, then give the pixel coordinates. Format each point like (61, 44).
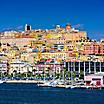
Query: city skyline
(87, 15)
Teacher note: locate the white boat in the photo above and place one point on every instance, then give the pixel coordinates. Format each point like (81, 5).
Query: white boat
(70, 86)
(1, 81)
(48, 84)
(67, 86)
(54, 83)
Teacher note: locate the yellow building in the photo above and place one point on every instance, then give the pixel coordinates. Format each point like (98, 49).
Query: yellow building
(47, 55)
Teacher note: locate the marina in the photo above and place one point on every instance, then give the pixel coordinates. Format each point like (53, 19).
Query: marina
(54, 84)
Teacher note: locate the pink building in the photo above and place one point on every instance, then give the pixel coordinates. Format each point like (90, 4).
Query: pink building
(94, 79)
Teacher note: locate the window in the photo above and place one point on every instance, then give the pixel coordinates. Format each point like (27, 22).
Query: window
(96, 79)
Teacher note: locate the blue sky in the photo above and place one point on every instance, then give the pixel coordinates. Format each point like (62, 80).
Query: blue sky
(46, 13)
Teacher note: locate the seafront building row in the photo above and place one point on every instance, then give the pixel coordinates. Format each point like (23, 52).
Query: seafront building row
(36, 50)
(88, 67)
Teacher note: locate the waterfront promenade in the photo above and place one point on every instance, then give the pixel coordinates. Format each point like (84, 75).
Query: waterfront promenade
(25, 81)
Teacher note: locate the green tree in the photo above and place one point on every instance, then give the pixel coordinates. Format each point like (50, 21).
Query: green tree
(74, 74)
(81, 75)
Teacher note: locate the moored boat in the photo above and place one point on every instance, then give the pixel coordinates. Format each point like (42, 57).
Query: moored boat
(48, 84)
(1, 81)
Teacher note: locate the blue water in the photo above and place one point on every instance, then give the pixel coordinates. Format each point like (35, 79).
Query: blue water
(32, 94)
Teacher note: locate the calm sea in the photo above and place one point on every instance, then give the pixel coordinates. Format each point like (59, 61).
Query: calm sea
(32, 94)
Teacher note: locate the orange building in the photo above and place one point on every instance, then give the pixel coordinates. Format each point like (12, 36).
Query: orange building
(68, 27)
(94, 48)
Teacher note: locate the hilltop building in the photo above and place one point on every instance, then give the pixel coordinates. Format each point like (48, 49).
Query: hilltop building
(27, 27)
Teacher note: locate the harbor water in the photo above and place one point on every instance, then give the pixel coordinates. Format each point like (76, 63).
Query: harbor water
(33, 94)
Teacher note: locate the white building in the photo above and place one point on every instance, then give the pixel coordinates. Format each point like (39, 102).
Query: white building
(20, 67)
(3, 66)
